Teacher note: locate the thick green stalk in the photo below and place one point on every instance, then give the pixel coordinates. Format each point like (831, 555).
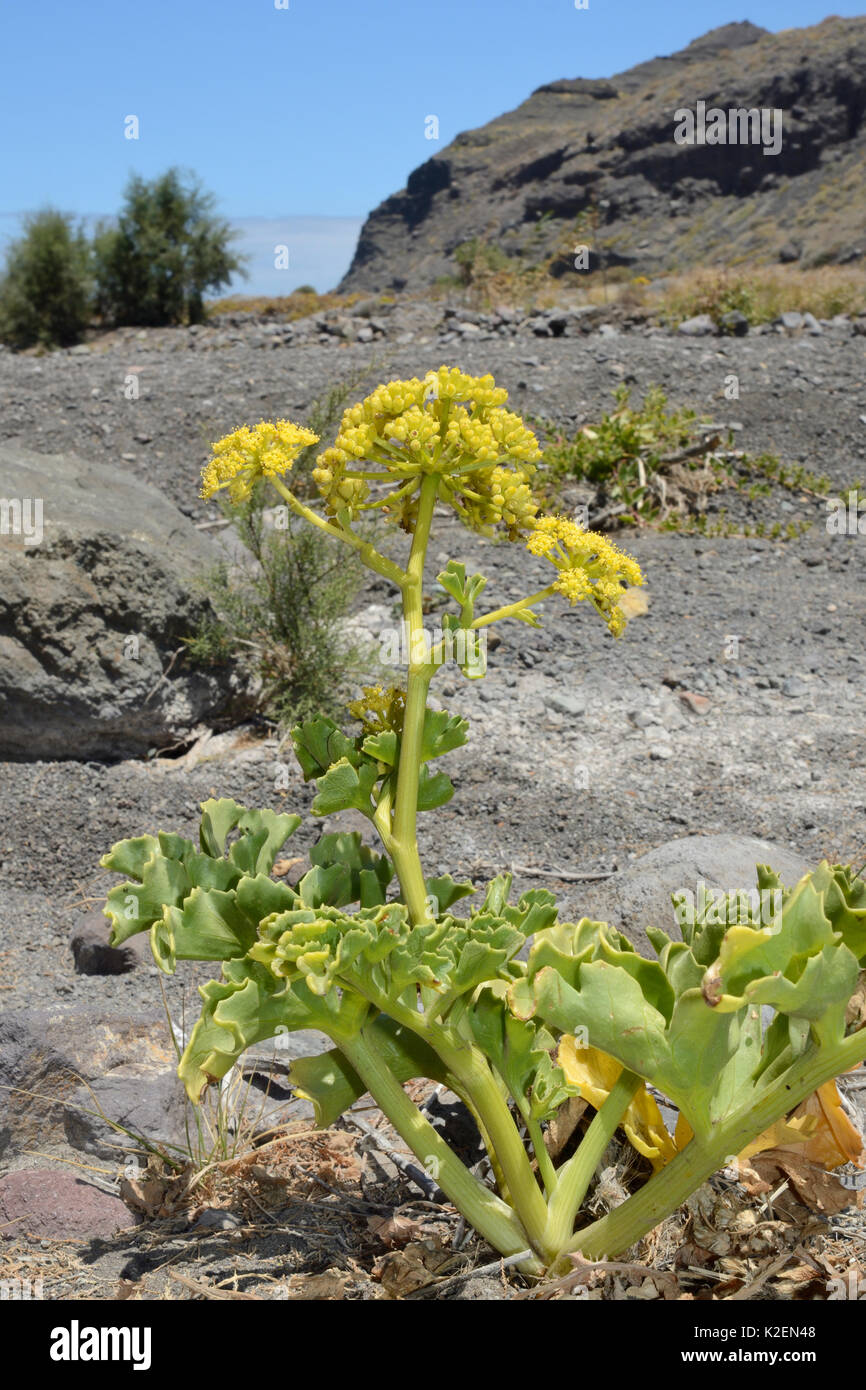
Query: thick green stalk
(404, 842)
(574, 1177)
(490, 1216)
(475, 1080)
(699, 1160)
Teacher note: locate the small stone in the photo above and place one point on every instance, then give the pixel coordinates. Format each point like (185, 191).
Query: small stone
(80, 350)
(735, 323)
(698, 704)
(791, 320)
(642, 718)
(564, 703)
(701, 326)
(215, 1219)
(660, 751)
(794, 687)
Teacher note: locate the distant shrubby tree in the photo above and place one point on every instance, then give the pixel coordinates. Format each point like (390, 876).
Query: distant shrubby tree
(46, 290)
(166, 250)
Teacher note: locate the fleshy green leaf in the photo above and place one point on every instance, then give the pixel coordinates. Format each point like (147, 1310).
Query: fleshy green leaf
(434, 789)
(345, 786)
(446, 892)
(318, 744)
(130, 856)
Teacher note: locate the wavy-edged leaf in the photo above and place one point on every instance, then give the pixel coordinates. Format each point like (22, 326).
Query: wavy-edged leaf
(443, 732)
(130, 856)
(218, 817)
(248, 1006)
(134, 907)
(446, 892)
(318, 744)
(345, 786)
(209, 926)
(434, 789)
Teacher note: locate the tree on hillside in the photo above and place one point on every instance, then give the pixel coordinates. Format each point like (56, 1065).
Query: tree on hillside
(166, 250)
(47, 286)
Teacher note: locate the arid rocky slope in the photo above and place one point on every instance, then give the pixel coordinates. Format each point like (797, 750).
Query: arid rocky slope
(604, 151)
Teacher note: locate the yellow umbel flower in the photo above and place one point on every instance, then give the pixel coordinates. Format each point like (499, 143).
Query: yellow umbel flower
(450, 425)
(590, 566)
(266, 451)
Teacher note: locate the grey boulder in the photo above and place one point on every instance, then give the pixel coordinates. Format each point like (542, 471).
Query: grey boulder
(97, 594)
(48, 1059)
(640, 896)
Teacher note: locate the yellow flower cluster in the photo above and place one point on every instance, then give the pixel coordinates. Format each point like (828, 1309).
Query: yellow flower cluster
(451, 425)
(590, 566)
(247, 454)
(379, 709)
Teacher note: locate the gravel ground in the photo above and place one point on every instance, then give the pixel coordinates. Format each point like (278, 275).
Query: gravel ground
(731, 704)
(583, 751)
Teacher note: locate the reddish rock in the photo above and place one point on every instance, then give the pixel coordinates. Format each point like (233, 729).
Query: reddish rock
(47, 1202)
(698, 704)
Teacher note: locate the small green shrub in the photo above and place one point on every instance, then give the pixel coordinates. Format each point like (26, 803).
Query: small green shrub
(281, 614)
(626, 456)
(46, 291)
(166, 251)
(608, 452)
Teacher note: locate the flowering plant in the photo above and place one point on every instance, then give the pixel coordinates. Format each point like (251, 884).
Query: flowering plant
(514, 1010)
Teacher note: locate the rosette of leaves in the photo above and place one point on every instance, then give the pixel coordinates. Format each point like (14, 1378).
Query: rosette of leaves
(452, 1000)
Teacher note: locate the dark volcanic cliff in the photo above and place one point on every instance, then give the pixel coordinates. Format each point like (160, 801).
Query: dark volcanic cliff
(599, 158)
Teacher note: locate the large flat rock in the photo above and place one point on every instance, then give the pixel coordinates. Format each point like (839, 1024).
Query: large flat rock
(97, 594)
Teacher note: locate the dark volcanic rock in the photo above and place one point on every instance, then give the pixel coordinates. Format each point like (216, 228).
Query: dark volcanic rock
(96, 598)
(606, 149)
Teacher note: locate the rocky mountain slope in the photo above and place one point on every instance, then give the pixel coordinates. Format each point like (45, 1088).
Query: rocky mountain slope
(596, 162)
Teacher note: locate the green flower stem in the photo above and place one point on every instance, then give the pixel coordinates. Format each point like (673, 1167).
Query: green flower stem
(669, 1188)
(368, 553)
(574, 1177)
(542, 1157)
(404, 842)
(476, 1082)
(511, 610)
(490, 1216)
(471, 1070)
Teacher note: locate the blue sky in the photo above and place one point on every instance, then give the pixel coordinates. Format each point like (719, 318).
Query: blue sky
(299, 115)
